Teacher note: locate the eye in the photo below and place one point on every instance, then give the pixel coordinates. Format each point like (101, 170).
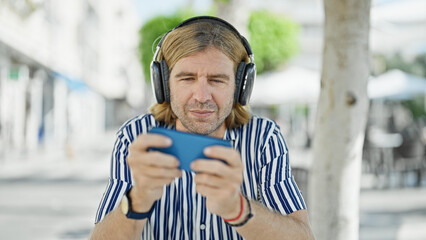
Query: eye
(217, 81)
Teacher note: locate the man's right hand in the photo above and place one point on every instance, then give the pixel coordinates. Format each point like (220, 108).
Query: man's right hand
(151, 170)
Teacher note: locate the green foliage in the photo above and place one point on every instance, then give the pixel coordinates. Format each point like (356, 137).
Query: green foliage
(302, 110)
(273, 38)
(151, 33)
(416, 107)
(417, 66)
(222, 1)
(420, 62)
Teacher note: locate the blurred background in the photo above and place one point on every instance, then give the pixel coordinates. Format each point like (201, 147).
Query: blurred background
(71, 72)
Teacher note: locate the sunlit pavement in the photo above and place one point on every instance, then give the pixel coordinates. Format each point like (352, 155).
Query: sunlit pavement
(51, 198)
(393, 214)
(56, 198)
(48, 210)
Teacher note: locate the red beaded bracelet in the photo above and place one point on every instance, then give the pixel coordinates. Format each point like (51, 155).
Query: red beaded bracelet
(241, 211)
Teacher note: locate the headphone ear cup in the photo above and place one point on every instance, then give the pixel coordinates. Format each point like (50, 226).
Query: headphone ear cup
(165, 78)
(248, 82)
(239, 78)
(156, 82)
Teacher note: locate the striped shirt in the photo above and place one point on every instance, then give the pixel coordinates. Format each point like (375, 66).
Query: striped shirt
(181, 212)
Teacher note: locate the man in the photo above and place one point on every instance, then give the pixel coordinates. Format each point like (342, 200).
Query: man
(202, 75)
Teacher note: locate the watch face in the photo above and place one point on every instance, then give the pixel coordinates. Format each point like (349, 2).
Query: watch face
(125, 205)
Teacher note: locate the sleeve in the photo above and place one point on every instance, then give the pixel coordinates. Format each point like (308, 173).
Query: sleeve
(120, 178)
(278, 190)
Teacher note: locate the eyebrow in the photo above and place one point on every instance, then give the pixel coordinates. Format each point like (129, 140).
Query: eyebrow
(220, 75)
(184, 74)
(190, 74)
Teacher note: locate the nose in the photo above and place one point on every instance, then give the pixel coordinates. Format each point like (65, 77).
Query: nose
(202, 91)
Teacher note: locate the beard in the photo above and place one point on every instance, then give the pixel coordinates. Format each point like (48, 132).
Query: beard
(203, 126)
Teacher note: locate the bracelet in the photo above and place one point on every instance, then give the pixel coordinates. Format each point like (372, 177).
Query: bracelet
(250, 215)
(241, 211)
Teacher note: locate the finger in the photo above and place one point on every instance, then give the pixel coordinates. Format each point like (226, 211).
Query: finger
(158, 172)
(159, 159)
(145, 141)
(211, 181)
(154, 183)
(210, 166)
(229, 155)
(219, 169)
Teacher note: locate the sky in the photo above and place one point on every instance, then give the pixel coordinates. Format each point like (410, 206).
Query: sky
(148, 8)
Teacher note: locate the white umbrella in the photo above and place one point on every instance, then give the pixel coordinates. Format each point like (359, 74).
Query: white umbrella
(397, 85)
(300, 85)
(295, 84)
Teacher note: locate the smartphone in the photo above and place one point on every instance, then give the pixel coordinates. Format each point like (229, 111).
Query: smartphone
(187, 147)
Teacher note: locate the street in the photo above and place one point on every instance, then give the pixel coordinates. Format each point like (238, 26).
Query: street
(58, 201)
(51, 197)
(48, 210)
(394, 214)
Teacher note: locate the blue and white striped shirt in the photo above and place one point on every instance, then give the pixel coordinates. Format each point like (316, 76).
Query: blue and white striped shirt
(181, 213)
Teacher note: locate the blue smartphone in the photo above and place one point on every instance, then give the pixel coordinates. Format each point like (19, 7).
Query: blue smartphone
(187, 147)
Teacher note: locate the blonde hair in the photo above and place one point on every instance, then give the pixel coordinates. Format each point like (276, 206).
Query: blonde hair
(193, 38)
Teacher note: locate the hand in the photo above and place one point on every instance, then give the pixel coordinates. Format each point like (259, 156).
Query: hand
(151, 170)
(219, 182)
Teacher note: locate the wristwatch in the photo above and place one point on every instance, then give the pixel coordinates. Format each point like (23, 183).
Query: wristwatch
(126, 208)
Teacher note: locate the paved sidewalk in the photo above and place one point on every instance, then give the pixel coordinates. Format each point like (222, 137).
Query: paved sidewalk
(88, 166)
(87, 160)
(398, 214)
(393, 214)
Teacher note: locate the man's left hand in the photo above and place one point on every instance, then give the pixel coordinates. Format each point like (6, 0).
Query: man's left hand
(220, 182)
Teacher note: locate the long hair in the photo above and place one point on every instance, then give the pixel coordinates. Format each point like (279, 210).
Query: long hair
(193, 38)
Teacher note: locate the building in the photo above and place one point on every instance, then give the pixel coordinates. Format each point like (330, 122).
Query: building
(65, 67)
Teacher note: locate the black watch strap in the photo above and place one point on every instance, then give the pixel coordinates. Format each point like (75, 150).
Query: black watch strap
(135, 215)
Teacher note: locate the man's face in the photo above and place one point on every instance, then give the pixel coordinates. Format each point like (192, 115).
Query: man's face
(202, 91)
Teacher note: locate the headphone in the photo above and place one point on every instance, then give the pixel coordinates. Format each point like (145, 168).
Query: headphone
(244, 78)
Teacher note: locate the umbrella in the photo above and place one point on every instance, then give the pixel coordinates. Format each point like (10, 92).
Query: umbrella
(294, 84)
(396, 85)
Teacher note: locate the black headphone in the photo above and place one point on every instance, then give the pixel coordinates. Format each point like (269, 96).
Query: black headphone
(244, 78)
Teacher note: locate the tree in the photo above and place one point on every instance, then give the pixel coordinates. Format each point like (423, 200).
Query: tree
(273, 38)
(420, 61)
(340, 121)
(236, 12)
(151, 33)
